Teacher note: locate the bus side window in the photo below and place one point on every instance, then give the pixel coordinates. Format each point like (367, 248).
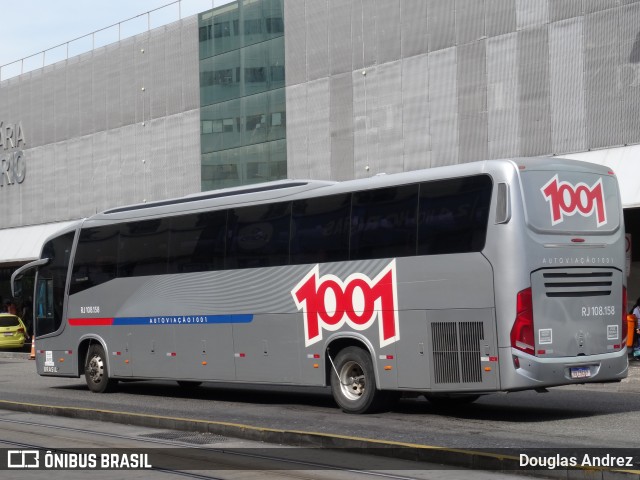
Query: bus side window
(197, 242)
(96, 258)
(143, 248)
(258, 236)
(320, 229)
(383, 222)
(453, 215)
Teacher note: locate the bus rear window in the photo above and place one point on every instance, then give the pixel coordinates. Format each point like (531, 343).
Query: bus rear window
(571, 201)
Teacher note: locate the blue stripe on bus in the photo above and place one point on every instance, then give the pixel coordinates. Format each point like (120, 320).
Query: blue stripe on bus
(184, 320)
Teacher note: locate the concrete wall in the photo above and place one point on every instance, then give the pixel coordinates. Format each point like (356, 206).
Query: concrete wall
(94, 139)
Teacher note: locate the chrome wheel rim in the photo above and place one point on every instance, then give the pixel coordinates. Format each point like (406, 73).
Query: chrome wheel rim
(352, 381)
(95, 369)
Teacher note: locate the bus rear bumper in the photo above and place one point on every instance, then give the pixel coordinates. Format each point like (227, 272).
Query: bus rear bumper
(521, 371)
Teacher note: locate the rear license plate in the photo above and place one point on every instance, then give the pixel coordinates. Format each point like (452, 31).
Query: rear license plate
(8, 334)
(580, 372)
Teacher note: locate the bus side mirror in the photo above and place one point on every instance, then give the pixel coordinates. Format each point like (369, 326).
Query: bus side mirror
(17, 288)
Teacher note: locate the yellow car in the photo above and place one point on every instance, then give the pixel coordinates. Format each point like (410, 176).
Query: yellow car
(12, 331)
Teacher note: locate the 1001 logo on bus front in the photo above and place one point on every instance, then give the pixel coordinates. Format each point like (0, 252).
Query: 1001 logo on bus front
(328, 303)
(567, 199)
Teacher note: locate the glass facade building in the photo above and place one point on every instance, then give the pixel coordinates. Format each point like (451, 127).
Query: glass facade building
(242, 94)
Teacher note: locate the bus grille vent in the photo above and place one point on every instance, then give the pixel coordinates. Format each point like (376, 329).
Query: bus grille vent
(584, 284)
(456, 352)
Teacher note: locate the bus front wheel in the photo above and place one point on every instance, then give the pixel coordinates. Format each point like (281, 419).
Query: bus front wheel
(354, 384)
(96, 372)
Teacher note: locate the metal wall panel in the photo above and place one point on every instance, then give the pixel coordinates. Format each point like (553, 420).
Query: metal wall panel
(173, 145)
(534, 97)
(99, 167)
(190, 64)
(157, 163)
(387, 30)
(362, 123)
(630, 72)
(115, 180)
(297, 132)
(531, 14)
(413, 31)
(443, 100)
(31, 197)
(317, 13)
(73, 97)
(469, 20)
(318, 129)
(48, 105)
(114, 71)
(415, 112)
(60, 107)
(339, 37)
(85, 94)
(190, 153)
(142, 66)
(77, 165)
(591, 6)
(156, 88)
(441, 24)
(99, 90)
(472, 101)
(363, 27)
(563, 9)
(295, 45)
(13, 98)
(36, 129)
(500, 17)
(602, 58)
(341, 125)
(129, 84)
(174, 69)
(387, 117)
(566, 72)
(502, 96)
(59, 182)
(131, 167)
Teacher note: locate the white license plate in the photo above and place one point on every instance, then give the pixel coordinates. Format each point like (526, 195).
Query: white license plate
(580, 372)
(8, 334)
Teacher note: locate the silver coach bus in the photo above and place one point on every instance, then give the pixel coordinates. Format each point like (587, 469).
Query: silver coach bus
(451, 282)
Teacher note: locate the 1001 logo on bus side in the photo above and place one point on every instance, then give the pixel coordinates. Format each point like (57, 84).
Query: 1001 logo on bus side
(328, 303)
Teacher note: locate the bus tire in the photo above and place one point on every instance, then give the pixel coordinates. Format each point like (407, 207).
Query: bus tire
(96, 372)
(354, 387)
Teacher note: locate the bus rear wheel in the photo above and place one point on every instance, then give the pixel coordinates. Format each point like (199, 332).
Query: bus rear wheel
(354, 385)
(96, 372)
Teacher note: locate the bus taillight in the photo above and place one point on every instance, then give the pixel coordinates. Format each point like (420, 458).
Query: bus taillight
(625, 324)
(522, 331)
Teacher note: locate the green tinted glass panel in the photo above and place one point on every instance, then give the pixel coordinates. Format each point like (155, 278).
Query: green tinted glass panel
(242, 96)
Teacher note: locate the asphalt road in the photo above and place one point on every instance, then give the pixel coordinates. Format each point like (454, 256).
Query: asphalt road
(161, 454)
(579, 416)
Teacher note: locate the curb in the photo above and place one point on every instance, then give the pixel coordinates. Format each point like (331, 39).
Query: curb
(21, 355)
(448, 457)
